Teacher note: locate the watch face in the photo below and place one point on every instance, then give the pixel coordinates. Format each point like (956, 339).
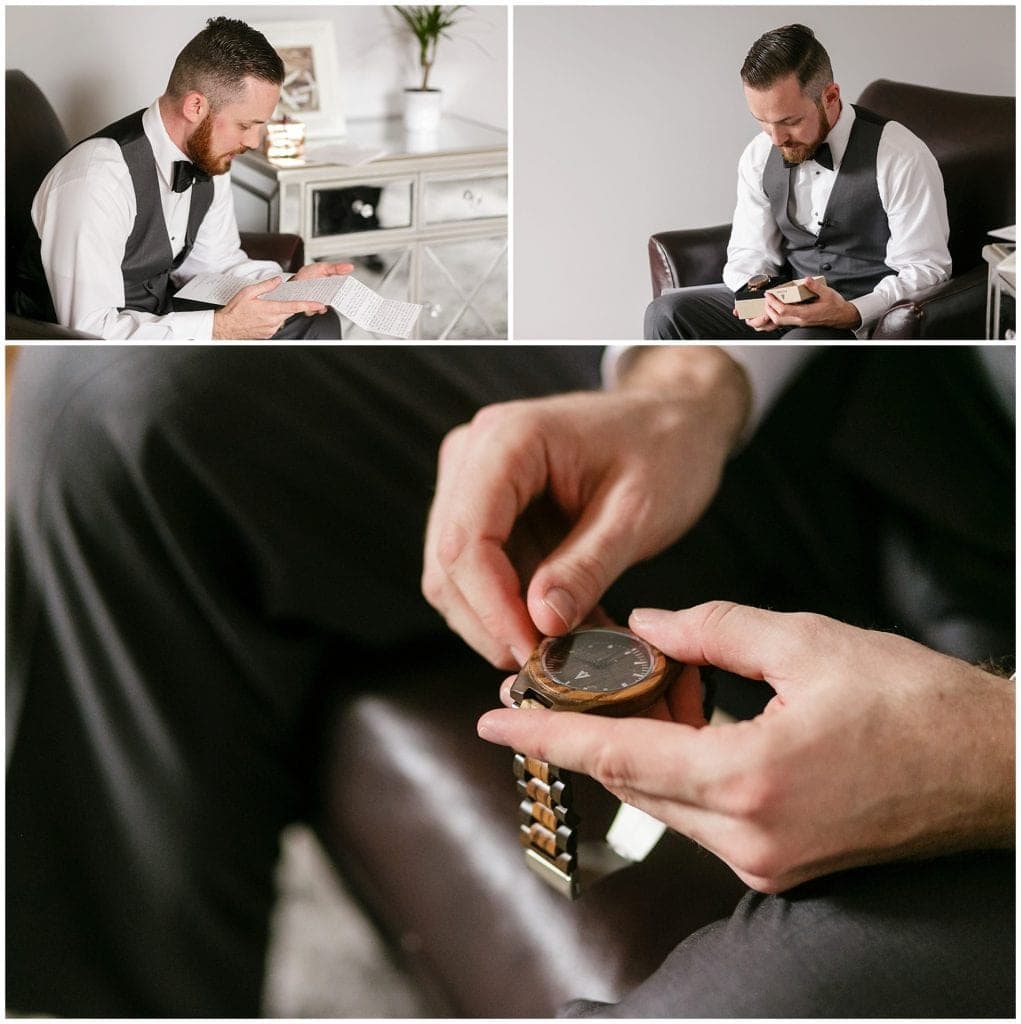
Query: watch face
(598, 661)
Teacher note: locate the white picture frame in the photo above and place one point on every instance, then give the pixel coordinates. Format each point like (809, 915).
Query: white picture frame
(311, 90)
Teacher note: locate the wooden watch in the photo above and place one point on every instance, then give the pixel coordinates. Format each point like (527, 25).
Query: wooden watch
(603, 670)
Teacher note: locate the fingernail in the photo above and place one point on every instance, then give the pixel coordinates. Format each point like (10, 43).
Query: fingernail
(649, 616)
(518, 656)
(561, 603)
(489, 729)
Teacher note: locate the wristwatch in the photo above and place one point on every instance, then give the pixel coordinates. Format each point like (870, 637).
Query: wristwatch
(603, 670)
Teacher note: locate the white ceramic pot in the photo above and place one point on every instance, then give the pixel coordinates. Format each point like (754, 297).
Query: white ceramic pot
(422, 109)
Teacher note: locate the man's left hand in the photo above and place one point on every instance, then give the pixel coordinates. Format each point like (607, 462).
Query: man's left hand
(831, 309)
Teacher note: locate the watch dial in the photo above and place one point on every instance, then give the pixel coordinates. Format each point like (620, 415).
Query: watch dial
(598, 660)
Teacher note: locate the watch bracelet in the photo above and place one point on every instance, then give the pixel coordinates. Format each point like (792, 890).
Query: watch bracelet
(547, 826)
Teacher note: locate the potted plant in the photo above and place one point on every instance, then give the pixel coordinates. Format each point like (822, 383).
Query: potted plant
(427, 24)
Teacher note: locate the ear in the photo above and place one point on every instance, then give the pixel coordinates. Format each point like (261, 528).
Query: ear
(194, 107)
(831, 94)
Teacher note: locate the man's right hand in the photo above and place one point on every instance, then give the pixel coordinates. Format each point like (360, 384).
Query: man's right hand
(556, 497)
(247, 316)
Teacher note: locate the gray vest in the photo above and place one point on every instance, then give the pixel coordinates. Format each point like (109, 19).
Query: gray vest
(148, 257)
(850, 248)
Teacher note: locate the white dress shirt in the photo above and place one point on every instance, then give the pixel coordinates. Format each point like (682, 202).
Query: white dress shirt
(910, 189)
(84, 212)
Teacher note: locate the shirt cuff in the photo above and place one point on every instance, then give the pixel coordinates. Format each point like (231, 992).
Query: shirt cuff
(769, 369)
(192, 325)
(870, 308)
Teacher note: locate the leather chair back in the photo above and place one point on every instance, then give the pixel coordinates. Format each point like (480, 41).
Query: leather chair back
(35, 142)
(972, 138)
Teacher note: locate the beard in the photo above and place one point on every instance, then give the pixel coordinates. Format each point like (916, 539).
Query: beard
(799, 152)
(200, 149)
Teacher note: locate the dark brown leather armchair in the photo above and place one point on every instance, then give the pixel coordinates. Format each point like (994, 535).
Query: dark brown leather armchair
(442, 872)
(35, 142)
(972, 138)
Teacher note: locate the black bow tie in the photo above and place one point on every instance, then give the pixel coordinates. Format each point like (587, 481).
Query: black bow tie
(822, 156)
(185, 173)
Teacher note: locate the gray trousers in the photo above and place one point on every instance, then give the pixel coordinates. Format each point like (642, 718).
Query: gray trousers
(863, 943)
(704, 312)
(203, 541)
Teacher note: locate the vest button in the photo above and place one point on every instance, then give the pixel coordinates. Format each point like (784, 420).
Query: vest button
(827, 266)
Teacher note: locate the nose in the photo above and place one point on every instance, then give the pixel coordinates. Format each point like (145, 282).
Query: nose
(250, 139)
(778, 134)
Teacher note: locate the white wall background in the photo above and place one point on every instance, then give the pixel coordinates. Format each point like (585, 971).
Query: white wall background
(630, 120)
(97, 63)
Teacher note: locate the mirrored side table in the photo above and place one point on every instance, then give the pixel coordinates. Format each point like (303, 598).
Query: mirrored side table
(425, 222)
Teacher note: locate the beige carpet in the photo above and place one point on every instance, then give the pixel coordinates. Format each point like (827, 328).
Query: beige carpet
(325, 958)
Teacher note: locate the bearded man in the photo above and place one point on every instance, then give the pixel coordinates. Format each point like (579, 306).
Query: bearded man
(130, 215)
(828, 190)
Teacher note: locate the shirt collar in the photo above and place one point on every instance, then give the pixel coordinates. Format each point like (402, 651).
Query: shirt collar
(164, 149)
(840, 133)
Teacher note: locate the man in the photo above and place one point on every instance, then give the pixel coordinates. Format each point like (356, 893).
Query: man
(852, 496)
(828, 190)
(130, 215)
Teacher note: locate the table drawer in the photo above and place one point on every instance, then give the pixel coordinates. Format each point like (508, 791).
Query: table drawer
(475, 196)
(343, 210)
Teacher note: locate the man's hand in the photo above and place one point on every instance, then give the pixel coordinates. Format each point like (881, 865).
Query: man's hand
(831, 309)
(322, 270)
(874, 748)
(249, 316)
(558, 496)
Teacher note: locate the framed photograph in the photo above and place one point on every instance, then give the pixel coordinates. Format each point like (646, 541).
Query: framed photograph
(311, 89)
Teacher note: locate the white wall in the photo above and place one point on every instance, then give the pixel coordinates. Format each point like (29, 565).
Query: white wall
(630, 120)
(98, 63)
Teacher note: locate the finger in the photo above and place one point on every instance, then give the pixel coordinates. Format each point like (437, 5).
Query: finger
(490, 472)
(512, 641)
(600, 546)
(339, 268)
(505, 695)
(259, 288)
(289, 308)
(486, 583)
(684, 698)
(635, 758)
(778, 647)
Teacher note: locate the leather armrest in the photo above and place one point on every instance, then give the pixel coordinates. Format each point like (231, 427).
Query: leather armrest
(287, 250)
(20, 328)
(420, 815)
(955, 311)
(693, 256)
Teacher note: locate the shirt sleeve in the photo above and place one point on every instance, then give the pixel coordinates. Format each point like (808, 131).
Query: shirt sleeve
(217, 247)
(755, 239)
(84, 212)
(911, 190)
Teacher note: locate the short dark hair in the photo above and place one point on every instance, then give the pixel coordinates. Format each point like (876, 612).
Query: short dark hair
(220, 57)
(792, 49)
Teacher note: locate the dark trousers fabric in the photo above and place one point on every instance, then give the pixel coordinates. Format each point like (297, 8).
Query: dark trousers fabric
(198, 540)
(202, 541)
(866, 943)
(705, 313)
